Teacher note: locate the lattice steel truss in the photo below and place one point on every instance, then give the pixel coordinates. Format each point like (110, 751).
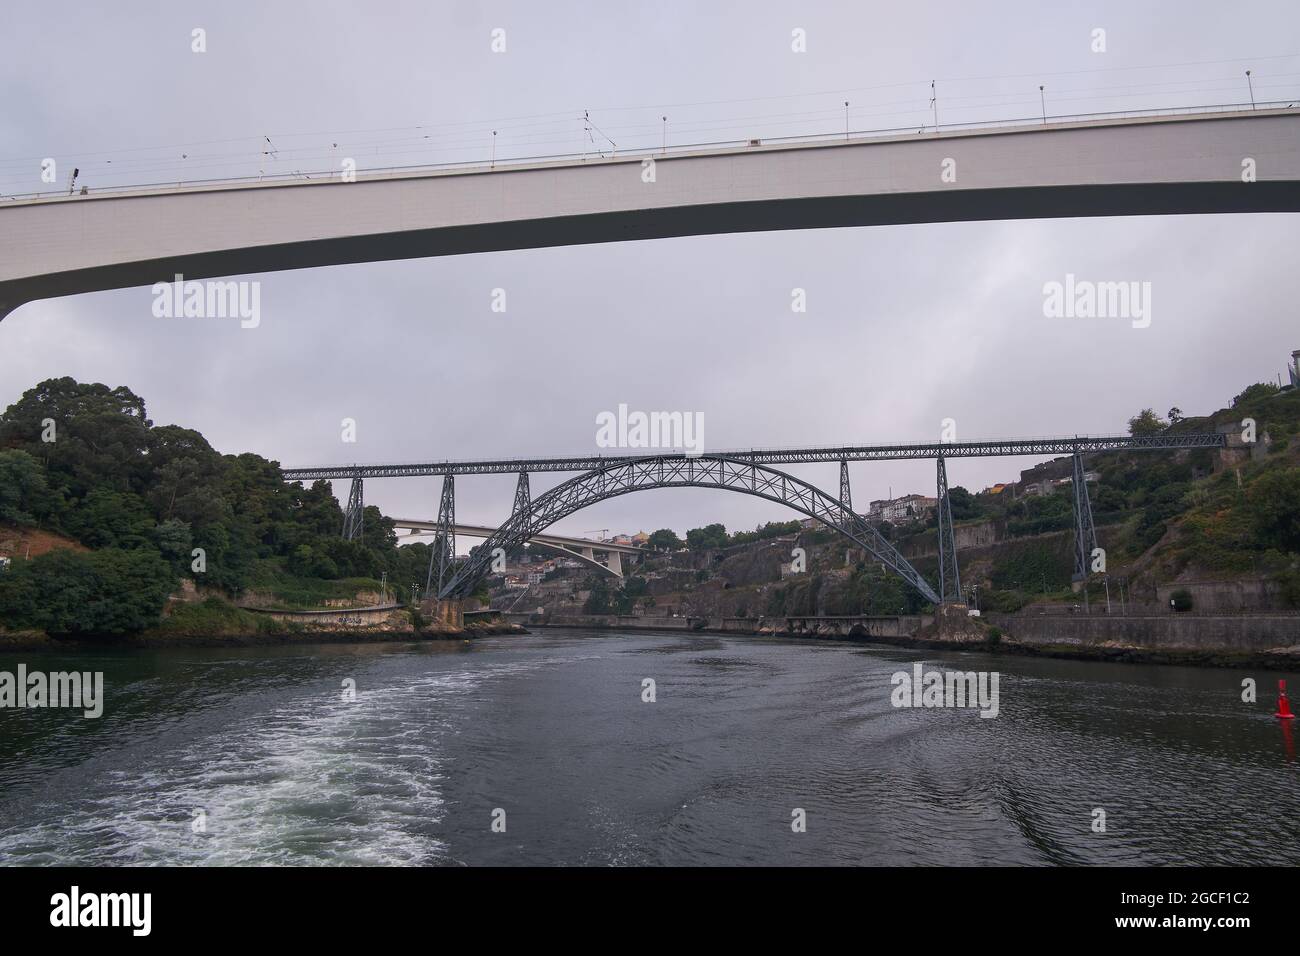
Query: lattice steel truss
(442, 558)
(774, 456)
(846, 493)
(680, 471)
(1085, 535)
(949, 576)
(523, 496)
(353, 515)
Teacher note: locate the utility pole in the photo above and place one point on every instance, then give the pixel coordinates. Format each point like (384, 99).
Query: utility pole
(1043, 100)
(1250, 86)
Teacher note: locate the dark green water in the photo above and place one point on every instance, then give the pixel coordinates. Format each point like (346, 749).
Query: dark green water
(551, 728)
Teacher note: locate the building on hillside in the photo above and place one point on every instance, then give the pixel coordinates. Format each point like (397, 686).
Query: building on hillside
(897, 510)
(1049, 486)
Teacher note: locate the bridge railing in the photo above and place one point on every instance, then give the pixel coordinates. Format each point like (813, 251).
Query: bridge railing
(992, 448)
(687, 149)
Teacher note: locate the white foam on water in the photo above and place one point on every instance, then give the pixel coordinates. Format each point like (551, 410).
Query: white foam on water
(315, 781)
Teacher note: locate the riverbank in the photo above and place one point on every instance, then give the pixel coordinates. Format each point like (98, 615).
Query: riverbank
(26, 641)
(1238, 642)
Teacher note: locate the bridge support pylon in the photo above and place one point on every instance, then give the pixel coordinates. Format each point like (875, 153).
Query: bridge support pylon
(949, 576)
(1085, 534)
(447, 614)
(451, 612)
(523, 496)
(352, 514)
(443, 555)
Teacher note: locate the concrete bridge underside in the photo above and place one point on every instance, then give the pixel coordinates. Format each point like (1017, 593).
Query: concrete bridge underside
(580, 549)
(1177, 164)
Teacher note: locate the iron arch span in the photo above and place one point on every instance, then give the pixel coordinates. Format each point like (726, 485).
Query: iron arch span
(682, 471)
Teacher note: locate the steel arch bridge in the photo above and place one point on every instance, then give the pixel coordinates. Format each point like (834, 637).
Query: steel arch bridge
(681, 471)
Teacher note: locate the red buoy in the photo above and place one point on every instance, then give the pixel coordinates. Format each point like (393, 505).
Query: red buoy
(1283, 705)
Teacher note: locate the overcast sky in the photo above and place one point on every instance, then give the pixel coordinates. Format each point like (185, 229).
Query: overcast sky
(905, 325)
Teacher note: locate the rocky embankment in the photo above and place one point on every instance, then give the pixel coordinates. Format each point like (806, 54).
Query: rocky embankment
(247, 630)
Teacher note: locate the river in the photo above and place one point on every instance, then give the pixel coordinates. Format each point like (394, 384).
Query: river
(254, 756)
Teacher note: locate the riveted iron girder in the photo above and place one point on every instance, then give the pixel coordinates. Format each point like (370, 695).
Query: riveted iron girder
(443, 556)
(353, 515)
(1085, 535)
(775, 456)
(949, 577)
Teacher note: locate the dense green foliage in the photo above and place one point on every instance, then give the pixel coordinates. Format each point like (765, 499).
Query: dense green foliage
(715, 535)
(159, 503)
(617, 599)
(1146, 422)
(1255, 392)
(100, 592)
(665, 539)
(1039, 564)
(710, 536)
(1273, 503)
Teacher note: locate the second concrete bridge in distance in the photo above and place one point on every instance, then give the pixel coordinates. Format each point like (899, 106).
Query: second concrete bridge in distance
(580, 549)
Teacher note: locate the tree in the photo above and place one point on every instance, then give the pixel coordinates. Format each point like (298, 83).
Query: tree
(964, 505)
(174, 542)
(1253, 392)
(110, 519)
(1175, 415)
(185, 479)
(107, 592)
(598, 601)
(100, 434)
(665, 539)
(25, 495)
(773, 529)
(710, 536)
(1273, 500)
(1146, 422)
(377, 532)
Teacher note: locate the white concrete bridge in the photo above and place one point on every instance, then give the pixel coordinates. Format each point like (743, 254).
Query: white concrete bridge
(1134, 165)
(585, 550)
